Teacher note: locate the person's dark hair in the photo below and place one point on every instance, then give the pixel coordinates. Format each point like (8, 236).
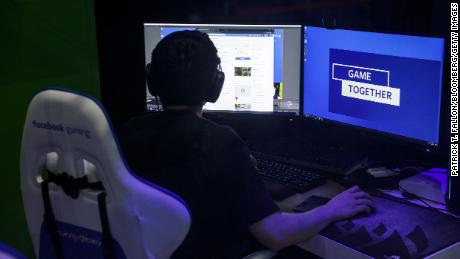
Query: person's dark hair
(183, 68)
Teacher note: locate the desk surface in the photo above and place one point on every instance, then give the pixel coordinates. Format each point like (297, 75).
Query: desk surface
(395, 229)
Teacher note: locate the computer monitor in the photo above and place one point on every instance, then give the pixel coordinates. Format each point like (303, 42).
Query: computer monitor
(385, 82)
(261, 64)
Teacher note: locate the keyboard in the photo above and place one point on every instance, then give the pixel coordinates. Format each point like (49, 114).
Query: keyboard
(300, 178)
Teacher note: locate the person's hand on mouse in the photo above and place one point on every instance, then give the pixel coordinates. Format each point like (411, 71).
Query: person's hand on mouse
(349, 203)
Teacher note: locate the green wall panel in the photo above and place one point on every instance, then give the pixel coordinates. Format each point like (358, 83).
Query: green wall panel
(42, 43)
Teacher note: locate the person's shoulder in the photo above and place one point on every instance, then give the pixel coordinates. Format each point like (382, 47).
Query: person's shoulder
(222, 132)
(139, 120)
(222, 141)
(136, 125)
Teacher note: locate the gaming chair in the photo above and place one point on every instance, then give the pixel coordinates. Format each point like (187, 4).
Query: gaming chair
(8, 252)
(80, 197)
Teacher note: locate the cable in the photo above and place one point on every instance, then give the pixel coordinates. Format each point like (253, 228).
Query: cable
(404, 200)
(409, 195)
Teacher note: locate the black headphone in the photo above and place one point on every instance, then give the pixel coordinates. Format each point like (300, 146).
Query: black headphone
(211, 94)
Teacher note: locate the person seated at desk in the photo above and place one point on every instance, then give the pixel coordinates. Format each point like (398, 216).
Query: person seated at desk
(209, 165)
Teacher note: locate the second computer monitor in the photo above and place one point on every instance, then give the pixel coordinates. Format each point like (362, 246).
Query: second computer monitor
(385, 82)
(261, 64)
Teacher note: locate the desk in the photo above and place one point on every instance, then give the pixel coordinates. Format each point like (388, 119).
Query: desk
(326, 247)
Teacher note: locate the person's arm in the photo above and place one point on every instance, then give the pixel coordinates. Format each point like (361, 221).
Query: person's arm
(280, 229)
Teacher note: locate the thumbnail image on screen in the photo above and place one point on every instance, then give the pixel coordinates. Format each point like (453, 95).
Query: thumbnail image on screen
(385, 82)
(261, 64)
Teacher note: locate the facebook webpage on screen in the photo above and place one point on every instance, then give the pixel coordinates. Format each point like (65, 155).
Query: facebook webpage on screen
(247, 61)
(385, 82)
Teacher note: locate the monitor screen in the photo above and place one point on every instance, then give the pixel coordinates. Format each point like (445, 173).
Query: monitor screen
(384, 82)
(261, 64)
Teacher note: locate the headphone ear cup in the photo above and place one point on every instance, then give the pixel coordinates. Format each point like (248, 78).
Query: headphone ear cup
(220, 80)
(216, 87)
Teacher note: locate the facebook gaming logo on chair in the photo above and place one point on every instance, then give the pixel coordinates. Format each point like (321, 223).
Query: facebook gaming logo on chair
(80, 198)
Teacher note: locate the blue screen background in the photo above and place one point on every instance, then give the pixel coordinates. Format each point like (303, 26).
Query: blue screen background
(416, 68)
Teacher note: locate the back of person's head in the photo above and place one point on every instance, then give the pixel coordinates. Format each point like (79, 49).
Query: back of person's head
(184, 69)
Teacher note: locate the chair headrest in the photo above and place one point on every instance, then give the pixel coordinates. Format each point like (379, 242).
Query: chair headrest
(69, 132)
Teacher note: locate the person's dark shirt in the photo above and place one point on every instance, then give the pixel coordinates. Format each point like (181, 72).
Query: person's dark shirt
(209, 166)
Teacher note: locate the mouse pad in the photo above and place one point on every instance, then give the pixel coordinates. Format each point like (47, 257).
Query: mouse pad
(396, 229)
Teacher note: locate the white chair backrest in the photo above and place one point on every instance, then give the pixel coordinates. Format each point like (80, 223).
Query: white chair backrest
(67, 132)
(7, 252)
